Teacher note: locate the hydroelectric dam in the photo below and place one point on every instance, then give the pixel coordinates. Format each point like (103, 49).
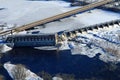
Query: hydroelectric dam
(34, 40)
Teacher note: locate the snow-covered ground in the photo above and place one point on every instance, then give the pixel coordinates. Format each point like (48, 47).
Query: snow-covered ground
(4, 48)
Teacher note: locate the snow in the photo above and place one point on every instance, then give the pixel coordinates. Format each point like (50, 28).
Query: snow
(82, 20)
(97, 16)
(4, 48)
(57, 78)
(30, 75)
(112, 35)
(93, 42)
(21, 12)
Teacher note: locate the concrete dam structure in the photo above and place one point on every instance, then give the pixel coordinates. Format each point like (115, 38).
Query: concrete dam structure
(40, 40)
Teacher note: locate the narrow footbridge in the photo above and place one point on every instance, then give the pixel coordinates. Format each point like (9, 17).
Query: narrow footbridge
(56, 17)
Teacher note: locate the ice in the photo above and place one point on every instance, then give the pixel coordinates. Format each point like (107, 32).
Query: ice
(4, 48)
(97, 16)
(82, 20)
(21, 12)
(94, 43)
(111, 35)
(57, 78)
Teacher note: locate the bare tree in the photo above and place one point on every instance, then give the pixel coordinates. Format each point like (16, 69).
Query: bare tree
(45, 75)
(19, 72)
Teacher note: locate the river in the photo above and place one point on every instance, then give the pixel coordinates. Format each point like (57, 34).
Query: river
(81, 66)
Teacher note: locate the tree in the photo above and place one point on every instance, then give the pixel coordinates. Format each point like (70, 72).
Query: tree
(19, 72)
(45, 75)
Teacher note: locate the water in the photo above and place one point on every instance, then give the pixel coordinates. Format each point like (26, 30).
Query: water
(63, 62)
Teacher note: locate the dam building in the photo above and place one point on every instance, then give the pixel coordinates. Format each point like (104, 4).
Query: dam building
(32, 40)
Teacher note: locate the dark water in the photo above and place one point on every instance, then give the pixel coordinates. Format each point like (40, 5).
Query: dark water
(63, 62)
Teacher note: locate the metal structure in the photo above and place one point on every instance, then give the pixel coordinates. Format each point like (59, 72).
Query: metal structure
(34, 40)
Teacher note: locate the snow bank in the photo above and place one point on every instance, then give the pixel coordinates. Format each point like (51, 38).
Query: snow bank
(57, 78)
(4, 48)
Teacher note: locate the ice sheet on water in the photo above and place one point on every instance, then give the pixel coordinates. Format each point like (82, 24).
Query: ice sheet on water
(4, 48)
(90, 45)
(112, 34)
(21, 12)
